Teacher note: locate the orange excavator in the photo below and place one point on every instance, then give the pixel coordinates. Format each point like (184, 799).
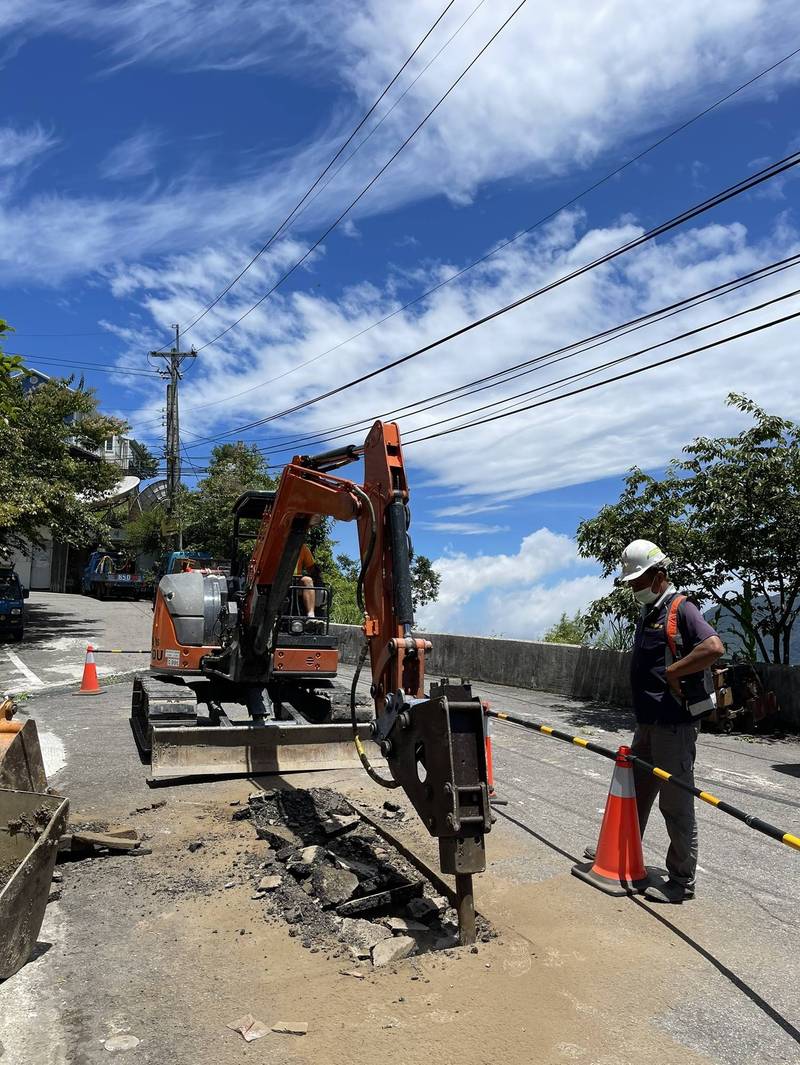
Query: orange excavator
(238, 685)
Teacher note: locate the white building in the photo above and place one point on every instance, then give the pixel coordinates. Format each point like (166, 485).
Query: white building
(55, 566)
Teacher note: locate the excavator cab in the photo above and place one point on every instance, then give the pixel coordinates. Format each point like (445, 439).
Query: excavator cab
(250, 507)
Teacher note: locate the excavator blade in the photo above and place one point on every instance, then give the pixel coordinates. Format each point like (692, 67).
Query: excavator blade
(246, 750)
(182, 743)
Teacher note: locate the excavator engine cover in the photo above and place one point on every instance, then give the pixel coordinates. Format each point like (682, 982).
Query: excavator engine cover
(195, 602)
(435, 749)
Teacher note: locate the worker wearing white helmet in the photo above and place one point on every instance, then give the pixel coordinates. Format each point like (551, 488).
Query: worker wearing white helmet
(672, 647)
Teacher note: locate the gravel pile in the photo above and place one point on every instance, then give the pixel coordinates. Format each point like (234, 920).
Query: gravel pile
(339, 886)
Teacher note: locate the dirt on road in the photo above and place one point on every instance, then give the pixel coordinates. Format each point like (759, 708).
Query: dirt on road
(172, 946)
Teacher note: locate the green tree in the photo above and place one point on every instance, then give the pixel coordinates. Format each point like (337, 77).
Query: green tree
(143, 463)
(206, 512)
(143, 534)
(567, 630)
(49, 476)
(728, 514)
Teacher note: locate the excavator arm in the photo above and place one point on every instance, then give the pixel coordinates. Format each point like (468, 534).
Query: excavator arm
(433, 743)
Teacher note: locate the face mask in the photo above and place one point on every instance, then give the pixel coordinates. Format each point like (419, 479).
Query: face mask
(645, 596)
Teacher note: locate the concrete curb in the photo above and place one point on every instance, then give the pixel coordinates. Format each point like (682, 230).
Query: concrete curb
(73, 685)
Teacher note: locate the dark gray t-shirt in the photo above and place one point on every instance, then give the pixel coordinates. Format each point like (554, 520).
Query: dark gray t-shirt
(653, 702)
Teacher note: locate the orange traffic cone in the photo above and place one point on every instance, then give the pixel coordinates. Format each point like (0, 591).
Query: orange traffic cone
(89, 685)
(618, 868)
(487, 740)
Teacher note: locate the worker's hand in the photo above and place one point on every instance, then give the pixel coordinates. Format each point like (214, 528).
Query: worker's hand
(674, 684)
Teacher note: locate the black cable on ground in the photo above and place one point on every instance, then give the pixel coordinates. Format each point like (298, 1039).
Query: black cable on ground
(767, 829)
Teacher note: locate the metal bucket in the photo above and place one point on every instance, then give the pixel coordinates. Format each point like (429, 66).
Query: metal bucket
(21, 765)
(31, 825)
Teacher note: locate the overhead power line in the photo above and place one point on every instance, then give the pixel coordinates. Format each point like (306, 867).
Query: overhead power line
(84, 366)
(609, 380)
(538, 362)
(573, 350)
(299, 205)
(288, 273)
(390, 110)
(744, 185)
(685, 124)
(590, 371)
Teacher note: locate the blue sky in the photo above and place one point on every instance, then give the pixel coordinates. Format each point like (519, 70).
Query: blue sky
(149, 147)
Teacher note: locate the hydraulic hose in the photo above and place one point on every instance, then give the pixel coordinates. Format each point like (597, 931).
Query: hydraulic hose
(367, 558)
(362, 754)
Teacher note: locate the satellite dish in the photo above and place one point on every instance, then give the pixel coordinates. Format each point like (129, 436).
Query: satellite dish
(153, 496)
(120, 491)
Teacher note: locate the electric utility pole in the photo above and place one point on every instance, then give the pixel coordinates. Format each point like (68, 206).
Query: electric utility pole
(173, 442)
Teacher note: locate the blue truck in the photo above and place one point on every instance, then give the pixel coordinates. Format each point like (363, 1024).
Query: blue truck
(109, 576)
(12, 604)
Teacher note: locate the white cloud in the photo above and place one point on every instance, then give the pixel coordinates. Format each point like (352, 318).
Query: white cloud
(134, 156)
(203, 34)
(529, 612)
(552, 94)
(464, 528)
(22, 146)
(518, 594)
(644, 420)
(469, 509)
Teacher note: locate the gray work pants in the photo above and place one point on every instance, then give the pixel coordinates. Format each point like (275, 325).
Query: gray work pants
(670, 747)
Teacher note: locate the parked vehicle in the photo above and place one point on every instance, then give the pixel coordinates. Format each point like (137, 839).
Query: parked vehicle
(12, 606)
(110, 576)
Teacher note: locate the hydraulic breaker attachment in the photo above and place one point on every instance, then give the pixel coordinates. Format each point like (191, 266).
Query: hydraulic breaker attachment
(435, 750)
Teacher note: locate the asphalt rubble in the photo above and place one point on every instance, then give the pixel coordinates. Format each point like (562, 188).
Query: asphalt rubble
(338, 885)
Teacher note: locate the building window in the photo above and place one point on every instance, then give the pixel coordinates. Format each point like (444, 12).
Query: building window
(110, 444)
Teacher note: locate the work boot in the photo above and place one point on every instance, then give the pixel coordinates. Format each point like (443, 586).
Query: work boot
(669, 891)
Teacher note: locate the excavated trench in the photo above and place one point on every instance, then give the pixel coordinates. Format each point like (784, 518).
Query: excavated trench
(339, 885)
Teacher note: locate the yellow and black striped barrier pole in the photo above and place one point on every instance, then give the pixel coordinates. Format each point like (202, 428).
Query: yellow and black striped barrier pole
(788, 838)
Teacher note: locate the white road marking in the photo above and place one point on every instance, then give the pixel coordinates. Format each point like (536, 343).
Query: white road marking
(20, 667)
(54, 755)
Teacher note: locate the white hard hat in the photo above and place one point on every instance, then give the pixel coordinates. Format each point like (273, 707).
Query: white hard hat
(640, 556)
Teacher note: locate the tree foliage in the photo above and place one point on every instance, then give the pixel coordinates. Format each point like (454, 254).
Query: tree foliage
(341, 572)
(728, 515)
(143, 463)
(48, 475)
(143, 534)
(206, 512)
(567, 630)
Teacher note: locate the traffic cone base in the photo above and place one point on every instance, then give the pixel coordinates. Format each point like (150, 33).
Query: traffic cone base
(89, 682)
(618, 868)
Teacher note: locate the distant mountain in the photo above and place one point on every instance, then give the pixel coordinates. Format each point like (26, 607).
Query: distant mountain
(727, 625)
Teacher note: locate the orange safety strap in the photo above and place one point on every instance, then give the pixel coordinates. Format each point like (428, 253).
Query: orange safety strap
(672, 623)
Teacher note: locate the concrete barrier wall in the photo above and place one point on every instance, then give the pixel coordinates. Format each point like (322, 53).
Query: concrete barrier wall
(577, 672)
